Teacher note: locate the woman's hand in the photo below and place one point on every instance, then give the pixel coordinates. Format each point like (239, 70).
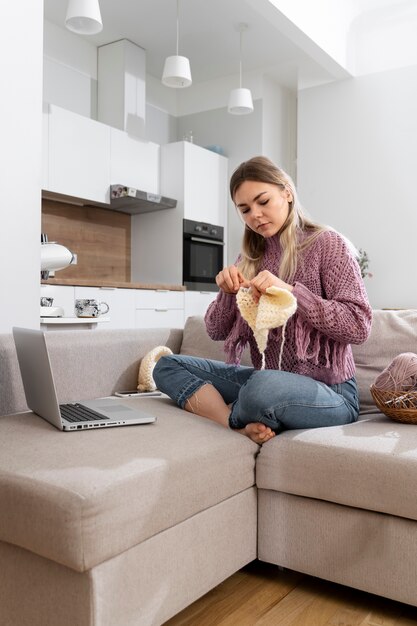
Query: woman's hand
(230, 280)
(266, 279)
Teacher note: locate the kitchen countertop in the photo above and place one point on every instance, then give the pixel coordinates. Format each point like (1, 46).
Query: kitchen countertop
(84, 282)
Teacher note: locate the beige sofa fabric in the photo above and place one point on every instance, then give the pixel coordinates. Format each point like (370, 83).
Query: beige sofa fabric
(38, 592)
(393, 332)
(365, 550)
(114, 366)
(371, 465)
(196, 342)
(155, 580)
(80, 498)
(143, 586)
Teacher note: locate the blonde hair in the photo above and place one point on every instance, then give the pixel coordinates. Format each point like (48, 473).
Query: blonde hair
(261, 169)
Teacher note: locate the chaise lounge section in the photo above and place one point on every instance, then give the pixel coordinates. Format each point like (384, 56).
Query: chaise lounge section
(129, 525)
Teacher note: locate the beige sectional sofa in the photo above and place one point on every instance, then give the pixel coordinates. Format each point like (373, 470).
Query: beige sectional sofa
(127, 526)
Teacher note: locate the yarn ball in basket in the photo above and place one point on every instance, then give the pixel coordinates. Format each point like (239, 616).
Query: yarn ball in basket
(400, 375)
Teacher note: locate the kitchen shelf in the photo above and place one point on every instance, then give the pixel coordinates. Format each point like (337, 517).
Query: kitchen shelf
(69, 323)
(74, 320)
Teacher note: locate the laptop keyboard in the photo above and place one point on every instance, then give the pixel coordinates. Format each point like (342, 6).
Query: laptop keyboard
(78, 413)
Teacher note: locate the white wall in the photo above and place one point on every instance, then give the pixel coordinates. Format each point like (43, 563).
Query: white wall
(326, 22)
(357, 157)
(383, 38)
(279, 125)
(20, 162)
(70, 71)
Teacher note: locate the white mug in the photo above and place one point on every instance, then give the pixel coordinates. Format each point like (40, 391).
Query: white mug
(90, 308)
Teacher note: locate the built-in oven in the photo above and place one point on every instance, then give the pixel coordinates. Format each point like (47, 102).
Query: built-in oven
(202, 255)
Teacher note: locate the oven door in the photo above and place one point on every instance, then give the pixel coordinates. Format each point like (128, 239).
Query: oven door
(202, 261)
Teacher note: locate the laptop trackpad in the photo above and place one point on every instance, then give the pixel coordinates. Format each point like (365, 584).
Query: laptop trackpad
(113, 408)
(117, 411)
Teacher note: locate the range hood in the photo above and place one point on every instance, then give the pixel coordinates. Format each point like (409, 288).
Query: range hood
(133, 201)
(123, 199)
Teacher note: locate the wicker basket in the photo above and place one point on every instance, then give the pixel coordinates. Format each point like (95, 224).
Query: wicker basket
(399, 405)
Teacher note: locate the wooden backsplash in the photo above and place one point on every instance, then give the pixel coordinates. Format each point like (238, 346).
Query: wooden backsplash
(100, 238)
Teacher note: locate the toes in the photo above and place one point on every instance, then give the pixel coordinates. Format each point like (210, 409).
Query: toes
(256, 428)
(259, 432)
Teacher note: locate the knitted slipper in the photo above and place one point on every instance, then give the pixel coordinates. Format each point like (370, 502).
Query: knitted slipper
(274, 309)
(145, 378)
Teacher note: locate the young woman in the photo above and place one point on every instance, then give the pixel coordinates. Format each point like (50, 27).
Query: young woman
(315, 385)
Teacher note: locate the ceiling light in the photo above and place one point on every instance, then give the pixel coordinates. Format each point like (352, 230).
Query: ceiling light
(83, 17)
(177, 72)
(240, 100)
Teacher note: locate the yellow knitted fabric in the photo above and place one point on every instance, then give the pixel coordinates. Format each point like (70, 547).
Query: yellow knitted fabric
(274, 308)
(145, 376)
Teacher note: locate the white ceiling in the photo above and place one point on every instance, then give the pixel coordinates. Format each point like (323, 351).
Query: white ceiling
(208, 37)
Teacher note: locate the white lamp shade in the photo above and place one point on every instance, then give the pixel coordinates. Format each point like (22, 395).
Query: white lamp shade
(83, 17)
(240, 101)
(177, 72)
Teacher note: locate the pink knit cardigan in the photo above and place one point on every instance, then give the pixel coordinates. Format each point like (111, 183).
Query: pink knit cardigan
(332, 312)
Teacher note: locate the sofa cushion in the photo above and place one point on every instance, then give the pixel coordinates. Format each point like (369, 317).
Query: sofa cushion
(371, 464)
(196, 342)
(80, 498)
(392, 333)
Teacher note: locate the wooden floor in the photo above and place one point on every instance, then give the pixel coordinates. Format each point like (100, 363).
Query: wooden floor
(262, 594)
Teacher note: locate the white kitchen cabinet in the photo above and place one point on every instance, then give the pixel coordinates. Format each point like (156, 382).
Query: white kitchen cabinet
(159, 318)
(197, 302)
(159, 299)
(134, 163)
(63, 296)
(129, 308)
(120, 301)
(198, 179)
(159, 308)
(78, 156)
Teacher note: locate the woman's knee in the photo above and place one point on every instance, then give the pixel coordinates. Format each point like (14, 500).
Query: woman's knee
(163, 367)
(255, 394)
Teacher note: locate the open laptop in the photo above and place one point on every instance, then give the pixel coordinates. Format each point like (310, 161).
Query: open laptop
(41, 398)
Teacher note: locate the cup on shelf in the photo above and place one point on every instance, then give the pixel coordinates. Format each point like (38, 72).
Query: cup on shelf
(86, 307)
(46, 301)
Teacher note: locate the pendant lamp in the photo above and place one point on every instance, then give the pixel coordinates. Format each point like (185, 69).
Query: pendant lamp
(83, 17)
(240, 100)
(177, 72)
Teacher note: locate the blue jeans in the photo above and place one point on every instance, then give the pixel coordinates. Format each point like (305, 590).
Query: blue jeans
(281, 400)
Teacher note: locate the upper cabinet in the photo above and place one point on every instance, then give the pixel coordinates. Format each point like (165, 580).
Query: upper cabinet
(134, 163)
(78, 152)
(82, 157)
(197, 178)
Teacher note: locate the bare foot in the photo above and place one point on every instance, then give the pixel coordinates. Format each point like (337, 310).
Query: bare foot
(259, 433)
